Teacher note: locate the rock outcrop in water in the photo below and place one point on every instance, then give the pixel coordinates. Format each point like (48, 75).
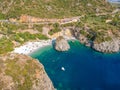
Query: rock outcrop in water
(61, 44)
(20, 72)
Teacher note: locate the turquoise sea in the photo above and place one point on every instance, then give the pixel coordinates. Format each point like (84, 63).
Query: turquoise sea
(80, 68)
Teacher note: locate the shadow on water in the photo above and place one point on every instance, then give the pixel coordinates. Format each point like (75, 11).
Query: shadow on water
(81, 68)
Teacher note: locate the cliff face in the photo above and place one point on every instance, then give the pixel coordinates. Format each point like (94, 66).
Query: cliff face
(100, 32)
(108, 46)
(20, 72)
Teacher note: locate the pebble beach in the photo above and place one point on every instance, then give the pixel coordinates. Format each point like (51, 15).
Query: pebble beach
(30, 47)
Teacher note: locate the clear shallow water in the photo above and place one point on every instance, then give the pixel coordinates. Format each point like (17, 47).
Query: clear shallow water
(85, 69)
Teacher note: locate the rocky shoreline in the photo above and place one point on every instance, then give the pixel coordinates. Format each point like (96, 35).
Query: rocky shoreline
(104, 47)
(108, 46)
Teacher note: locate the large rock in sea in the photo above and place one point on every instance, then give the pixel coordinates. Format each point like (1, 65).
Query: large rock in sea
(61, 44)
(21, 72)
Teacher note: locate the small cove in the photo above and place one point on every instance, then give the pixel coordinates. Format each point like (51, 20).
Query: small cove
(85, 69)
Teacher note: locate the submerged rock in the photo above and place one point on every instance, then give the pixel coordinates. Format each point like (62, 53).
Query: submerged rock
(20, 72)
(61, 44)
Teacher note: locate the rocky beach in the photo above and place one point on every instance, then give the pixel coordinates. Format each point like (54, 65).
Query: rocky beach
(31, 46)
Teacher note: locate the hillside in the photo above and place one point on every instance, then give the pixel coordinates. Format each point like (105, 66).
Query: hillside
(22, 73)
(52, 8)
(19, 72)
(100, 23)
(95, 14)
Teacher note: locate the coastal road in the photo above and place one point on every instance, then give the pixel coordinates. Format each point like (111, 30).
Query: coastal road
(47, 21)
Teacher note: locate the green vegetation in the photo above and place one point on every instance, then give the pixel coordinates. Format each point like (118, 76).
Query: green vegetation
(97, 27)
(9, 28)
(21, 72)
(83, 32)
(23, 76)
(6, 45)
(53, 8)
(70, 24)
(56, 28)
(97, 23)
(116, 21)
(92, 25)
(38, 27)
(23, 37)
(99, 39)
(10, 32)
(2, 16)
(17, 73)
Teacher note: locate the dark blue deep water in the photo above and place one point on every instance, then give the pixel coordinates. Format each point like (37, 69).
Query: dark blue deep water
(85, 69)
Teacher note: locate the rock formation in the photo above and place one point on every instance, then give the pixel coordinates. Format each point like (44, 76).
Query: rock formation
(61, 44)
(108, 46)
(84, 40)
(105, 46)
(20, 72)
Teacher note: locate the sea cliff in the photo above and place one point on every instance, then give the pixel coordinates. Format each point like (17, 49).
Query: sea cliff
(107, 43)
(108, 46)
(21, 72)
